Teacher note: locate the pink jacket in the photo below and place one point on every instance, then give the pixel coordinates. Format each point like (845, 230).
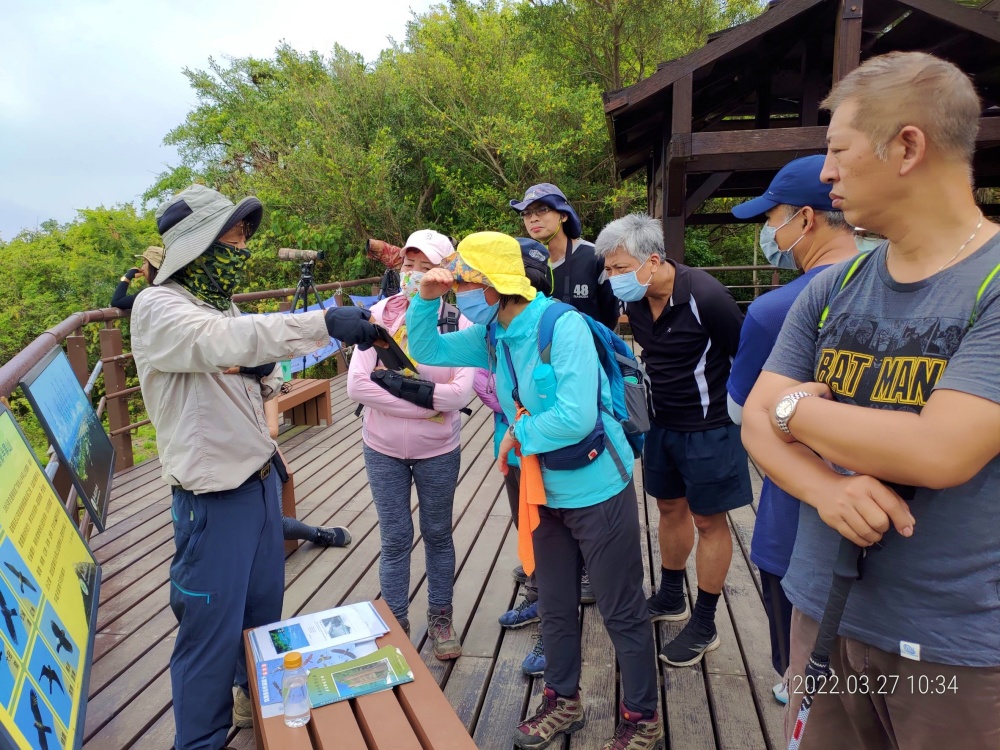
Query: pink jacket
(396, 427)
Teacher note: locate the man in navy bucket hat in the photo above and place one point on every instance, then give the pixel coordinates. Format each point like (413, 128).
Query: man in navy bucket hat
(802, 230)
(578, 276)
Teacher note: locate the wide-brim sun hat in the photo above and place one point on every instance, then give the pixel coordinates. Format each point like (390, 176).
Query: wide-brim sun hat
(553, 197)
(154, 255)
(492, 259)
(434, 245)
(195, 218)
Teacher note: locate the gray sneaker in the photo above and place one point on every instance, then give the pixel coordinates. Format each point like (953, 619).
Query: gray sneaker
(586, 592)
(441, 631)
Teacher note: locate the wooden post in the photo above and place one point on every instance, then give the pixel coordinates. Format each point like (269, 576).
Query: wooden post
(678, 152)
(847, 40)
(114, 380)
(76, 351)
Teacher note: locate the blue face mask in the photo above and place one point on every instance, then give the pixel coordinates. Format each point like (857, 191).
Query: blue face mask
(473, 305)
(626, 286)
(774, 254)
(867, 244)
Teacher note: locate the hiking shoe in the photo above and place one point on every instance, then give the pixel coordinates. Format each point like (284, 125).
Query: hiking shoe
(442, 633)
(242, 709)
(332, 536)
(534, 663)
(781, 692)
(523, 614)
(555, 715)
(636, 733)
(658, 612)
(519, 575)
(586, 592)
(404, 624)
(689, 647)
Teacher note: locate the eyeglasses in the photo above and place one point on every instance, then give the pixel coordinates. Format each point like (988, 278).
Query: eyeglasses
(538, 211)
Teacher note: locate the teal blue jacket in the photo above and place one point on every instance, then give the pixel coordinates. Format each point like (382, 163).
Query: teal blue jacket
(565, 422)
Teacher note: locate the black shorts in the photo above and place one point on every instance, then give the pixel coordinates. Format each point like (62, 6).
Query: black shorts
(709, 468)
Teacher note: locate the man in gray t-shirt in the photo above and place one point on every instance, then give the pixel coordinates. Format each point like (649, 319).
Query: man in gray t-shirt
(879, 408)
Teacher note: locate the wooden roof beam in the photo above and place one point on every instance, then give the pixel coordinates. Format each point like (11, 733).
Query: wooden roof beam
(847, 40)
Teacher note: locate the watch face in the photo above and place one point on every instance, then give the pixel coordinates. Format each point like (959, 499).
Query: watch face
(783, 409)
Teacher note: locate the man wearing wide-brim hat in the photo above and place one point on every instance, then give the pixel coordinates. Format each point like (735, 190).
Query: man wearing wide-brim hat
(215, 450)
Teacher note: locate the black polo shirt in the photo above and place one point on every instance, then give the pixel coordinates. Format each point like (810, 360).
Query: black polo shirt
(689, 349)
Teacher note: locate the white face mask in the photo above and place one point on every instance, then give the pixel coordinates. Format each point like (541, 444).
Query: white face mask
(410, 282)
(774, 254)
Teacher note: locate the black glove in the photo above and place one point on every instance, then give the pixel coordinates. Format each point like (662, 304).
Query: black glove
(350, 325)
(419, 392)
(260, 371)
(130, 273)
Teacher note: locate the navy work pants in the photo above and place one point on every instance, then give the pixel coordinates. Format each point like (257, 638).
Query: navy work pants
(227, 574)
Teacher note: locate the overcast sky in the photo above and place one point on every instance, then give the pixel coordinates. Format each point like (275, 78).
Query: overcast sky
(88, 88)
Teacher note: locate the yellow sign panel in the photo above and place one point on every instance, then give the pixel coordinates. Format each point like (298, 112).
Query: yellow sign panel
(48, 605)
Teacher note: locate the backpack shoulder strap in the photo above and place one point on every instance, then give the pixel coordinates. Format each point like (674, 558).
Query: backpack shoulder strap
(980, 293)
(546, 327)
(845, 277)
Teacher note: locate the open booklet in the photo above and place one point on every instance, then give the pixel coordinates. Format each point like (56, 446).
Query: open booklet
(334, 636)
(332, 627)
(381, 670)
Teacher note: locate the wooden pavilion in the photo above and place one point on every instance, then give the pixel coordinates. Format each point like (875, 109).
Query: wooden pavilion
(722, 120)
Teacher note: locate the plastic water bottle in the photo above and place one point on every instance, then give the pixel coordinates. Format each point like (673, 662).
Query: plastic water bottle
(294, 691)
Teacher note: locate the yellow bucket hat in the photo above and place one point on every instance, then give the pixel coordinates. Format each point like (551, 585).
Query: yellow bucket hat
(493, 259)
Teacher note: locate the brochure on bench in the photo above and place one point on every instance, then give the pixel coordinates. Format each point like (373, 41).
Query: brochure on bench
(270, 673)
(333, 627)
(379, 671)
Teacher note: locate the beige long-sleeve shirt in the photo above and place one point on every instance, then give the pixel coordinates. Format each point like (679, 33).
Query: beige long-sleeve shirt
(211, 433)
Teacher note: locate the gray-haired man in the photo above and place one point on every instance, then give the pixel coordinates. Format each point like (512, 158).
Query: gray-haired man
(215, 451)
(688, 326)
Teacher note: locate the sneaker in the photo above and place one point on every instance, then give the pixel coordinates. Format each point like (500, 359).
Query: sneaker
(534, 663)
(519, 575)
(442, 633)
(523, 614)
(404, 624)
(658, 612)
(586, 592)
(332, 536)
(689, 647)
(242, 709)
(555, 715)
(781, 692)
(636, 733)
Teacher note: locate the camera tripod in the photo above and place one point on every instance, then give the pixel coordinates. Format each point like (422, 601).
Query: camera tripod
(306, 286)
(303, 289)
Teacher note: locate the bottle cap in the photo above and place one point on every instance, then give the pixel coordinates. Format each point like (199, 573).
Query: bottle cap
(293, 660)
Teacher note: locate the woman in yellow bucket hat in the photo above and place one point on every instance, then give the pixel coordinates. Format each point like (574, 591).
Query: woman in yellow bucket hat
(586, 514)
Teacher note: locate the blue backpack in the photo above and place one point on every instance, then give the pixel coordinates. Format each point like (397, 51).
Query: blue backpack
(627, 377)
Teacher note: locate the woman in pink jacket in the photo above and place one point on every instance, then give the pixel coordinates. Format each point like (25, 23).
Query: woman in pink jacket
(414, 437)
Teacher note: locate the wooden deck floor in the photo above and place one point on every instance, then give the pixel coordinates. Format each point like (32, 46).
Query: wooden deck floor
(725, 703)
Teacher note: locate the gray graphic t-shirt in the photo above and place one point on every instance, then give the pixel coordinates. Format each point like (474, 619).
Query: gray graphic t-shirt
(886, 345)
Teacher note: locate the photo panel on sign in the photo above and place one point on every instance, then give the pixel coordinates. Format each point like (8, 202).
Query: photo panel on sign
(74, 429)
(12, 619)
(49, 674)
(36, 721)
(15, 570)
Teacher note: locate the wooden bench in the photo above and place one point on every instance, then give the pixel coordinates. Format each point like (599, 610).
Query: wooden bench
(415, 716)
(308, 402)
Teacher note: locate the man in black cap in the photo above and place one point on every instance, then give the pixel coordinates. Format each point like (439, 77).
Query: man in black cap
(215, 451)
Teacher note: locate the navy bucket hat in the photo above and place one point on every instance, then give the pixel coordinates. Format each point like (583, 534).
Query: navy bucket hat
(551, 196)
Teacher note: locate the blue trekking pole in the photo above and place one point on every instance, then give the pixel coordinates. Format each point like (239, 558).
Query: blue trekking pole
(846, 571)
